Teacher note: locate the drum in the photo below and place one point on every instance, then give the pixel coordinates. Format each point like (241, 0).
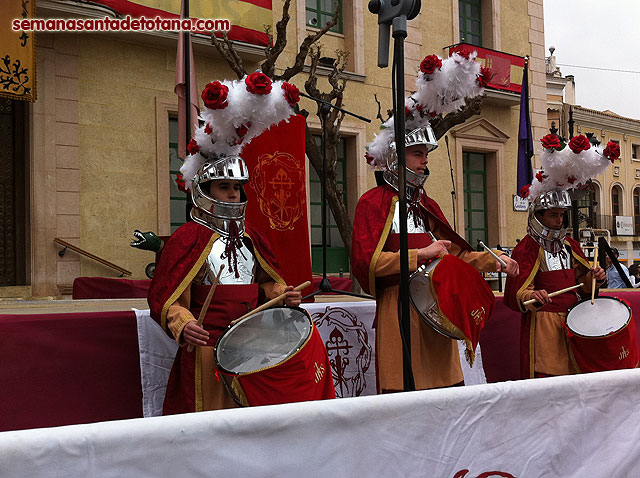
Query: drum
(602, 336)
(274, 356)
(426, 303)
(453, 298)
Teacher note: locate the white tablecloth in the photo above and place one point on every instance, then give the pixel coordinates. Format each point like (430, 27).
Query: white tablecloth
(573, 426)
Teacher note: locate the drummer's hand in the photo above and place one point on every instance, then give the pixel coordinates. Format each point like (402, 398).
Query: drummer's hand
(541, 296)
(433, 250)
(193, 334)
(512, 269)
(293, 297)
(599, 273)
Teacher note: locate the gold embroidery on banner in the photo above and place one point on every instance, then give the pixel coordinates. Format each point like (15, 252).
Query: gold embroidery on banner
(278, 181)
(478, 315)
(624, 353)
(378, 250)
(319, 372)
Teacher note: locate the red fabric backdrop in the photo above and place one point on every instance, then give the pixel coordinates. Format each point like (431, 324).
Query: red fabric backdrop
(63, 369)
(277, 196)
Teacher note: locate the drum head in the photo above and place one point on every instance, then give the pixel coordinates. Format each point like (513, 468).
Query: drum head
(607, 315)
(262, 340)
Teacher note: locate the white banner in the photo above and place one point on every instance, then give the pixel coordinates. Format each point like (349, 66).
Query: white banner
(574, 426)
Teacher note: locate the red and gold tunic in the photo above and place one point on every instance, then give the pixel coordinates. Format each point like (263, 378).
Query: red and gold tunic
(543, 344)
(175, 298)
(376, 264)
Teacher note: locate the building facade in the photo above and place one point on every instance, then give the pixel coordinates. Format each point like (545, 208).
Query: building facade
(612, 206)
(98, 145)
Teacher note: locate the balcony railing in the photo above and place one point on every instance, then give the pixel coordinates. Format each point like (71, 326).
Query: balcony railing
(617, 227)
(506, 68)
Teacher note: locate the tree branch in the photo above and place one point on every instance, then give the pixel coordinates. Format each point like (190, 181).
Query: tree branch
(441, 125)
(225, 48)
(273, 52)
(303, 51)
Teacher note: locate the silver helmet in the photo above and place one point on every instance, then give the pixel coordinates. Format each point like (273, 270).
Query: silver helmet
(423, 135)
(550, 239)
(210, 212)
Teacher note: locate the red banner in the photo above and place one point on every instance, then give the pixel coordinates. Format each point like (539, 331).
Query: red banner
(277, 196)
(506, 68)
(247, 17)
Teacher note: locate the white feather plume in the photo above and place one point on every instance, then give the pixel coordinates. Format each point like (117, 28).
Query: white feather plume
(564, 169)
(439, 93)
(255, 112)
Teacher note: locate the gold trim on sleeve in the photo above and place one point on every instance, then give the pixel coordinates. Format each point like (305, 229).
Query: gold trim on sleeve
(186, 281)
(378, 250)
(529, 280)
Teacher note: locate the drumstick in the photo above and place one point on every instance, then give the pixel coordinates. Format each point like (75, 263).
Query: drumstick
(553, 294)
(593, 279)
(266, 305)
(207, 301)
(502, 263)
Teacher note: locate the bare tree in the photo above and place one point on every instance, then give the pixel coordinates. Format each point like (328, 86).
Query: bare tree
(309, 49)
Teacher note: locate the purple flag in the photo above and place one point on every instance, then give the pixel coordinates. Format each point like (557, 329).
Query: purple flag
(525, 140)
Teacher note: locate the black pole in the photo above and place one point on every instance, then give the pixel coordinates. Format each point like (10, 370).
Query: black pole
(404, 316)
(187, 77)
(187, 96)
(324, 113)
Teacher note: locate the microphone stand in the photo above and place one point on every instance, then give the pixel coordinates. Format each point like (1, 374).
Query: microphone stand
(396, 13)
(325, 284)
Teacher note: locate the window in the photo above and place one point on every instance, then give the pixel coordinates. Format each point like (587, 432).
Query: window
(636, 211)
(475, 197)
(337, 257)
(635, 151)
(470, 21)
(616, 194)
(320, 12)
(178, 199)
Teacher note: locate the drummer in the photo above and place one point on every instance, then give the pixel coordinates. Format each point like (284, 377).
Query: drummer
(376, 265)
(549, 261)
(193, 256)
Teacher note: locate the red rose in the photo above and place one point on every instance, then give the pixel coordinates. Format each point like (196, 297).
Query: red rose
(571, 179)
(369, 158)
(207, 129)
(419, 107)
(291, 93)
(524, 192)
(550, 141)
(243, 129)
(214, 96)
(407, 111)
(484, 77)
(430, 64)
(258, 83)
(612, 151)
(180, 182)
(579, 143)
(539, 176)
(193, 147)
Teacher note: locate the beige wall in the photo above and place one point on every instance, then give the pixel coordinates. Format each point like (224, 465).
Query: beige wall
(97, 132)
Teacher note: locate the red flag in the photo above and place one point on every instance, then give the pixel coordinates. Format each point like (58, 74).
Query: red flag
(277, 196)
(180, 89)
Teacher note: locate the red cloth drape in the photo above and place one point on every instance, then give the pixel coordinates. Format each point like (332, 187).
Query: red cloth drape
(63, 369)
